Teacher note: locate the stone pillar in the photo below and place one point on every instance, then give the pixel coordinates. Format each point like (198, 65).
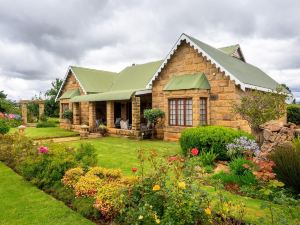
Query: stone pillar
(110, 111)
(24, 112)
(60, 111)
(76, 114)
(92, 115)
(41, 109)
(136, 113)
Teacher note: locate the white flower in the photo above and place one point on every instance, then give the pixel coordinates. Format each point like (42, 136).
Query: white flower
(141, 217)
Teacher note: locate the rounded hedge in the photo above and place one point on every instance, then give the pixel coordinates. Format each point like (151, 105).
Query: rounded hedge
(4, 127)
(210, 137)
(293, 113)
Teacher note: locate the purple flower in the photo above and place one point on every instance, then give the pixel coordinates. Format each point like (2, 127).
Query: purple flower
(43, 150)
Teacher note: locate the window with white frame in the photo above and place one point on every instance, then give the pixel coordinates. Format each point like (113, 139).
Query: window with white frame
(181, 112)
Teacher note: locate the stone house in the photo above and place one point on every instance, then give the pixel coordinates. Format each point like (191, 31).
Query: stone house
(196, 84)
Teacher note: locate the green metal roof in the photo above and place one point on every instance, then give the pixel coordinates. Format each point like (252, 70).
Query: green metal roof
(229, 50)
(188, 81)
(70, 94)
(244, 72)
(94, 81)
(106, 96)
(136, 76)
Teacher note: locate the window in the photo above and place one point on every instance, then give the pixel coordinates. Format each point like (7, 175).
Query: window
(64, 106)
(180, 112)
(203, 111)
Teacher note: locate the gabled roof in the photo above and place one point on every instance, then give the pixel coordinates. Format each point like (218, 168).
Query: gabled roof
(244, 74)
(90, 80)
(94, 81)
(136, 76)
(188, 81)
(234, 51)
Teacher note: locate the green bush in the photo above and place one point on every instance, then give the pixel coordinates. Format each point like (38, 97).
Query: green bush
(210, 137)
(293, 113)
(86, 155)
(43, 118)
(207, 158)
(14, 122)
(84, 206)
(4, 127)
(68, 114)
(46, 124)
(15, 148)
(230, 178)
(240, 166)
(287, 164)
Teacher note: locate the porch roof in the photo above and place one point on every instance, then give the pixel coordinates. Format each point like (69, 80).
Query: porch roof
(70, 94)
(188, 81)
(106, 96)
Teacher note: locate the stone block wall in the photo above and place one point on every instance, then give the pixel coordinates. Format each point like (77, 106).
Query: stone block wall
(136, 113)
(223, 94)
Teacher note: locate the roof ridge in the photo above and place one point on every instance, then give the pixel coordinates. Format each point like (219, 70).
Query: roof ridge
(80, 67)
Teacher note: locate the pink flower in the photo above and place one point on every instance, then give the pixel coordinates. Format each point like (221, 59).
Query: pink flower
(194, 151)
(11, 116)
(134, 169)
(172, 158)
(43, 150)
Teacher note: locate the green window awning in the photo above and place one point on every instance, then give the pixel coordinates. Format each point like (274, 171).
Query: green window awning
(106, 96)
(70, 94)
(188, 81)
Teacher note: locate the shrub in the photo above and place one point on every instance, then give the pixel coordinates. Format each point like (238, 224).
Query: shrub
(230, 178)
(68, 114)
(242, 146)
(45, 124)
(293, 113)
(209, 137)
(4, 127)
(15, 148)
(14, 122)
(43, 118)
(86, 155)
(240, 166)
(72, 176)
(287, 165)
(102, 129)
(207, 158)
(84, 206)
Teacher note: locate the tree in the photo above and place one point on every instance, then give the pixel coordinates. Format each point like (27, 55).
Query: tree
(258, 107)
(52, 107)
(8, 106)
(153, 115)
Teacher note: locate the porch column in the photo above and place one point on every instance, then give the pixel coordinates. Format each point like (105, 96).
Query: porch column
(92, 115)
(41, 109)
(110, 111)
(136, 113)
(24, 112)
(76, 114)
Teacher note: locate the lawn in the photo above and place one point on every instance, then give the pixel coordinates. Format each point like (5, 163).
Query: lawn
(48, 132)
(21, 203)
(121, 153)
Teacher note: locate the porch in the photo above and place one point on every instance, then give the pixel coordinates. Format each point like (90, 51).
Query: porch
(121, 117)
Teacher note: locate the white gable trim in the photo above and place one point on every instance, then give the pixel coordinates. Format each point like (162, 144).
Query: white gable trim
(64, 81)
(184, 37)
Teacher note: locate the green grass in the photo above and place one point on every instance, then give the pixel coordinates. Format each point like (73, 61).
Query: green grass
(121, 153)
(48, 132)
(23, 204)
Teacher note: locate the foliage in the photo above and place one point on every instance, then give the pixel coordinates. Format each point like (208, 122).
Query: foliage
(46, 124)
(43, 118)
(242, 146)
(32, 112)
(153, 115)
(264, 169)
(68, 114)
(205, 158)
(293, 113)
(265, 106)
(84, 206)
(103, 129)
(209, 137)
(86, 155)
(240, 166)
(51, 106)
(287, 164)
(4, 127)
(8, 106)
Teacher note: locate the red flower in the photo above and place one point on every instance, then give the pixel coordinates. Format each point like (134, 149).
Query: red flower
(172, 158)
(134, 169)
(194, 151)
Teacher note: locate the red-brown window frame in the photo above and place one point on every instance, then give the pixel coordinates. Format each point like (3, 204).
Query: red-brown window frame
(206, 111)
(176, 112)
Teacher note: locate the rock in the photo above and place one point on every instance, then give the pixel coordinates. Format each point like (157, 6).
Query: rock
(267, 134)
(221, 167)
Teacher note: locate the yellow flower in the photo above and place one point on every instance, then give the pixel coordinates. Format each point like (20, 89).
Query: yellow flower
(157, 221)
(141, 217)
(181, 185)
(156, 187)
(207, 211)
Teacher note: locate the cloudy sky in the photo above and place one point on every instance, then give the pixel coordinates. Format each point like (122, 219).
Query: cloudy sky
(40, 39)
